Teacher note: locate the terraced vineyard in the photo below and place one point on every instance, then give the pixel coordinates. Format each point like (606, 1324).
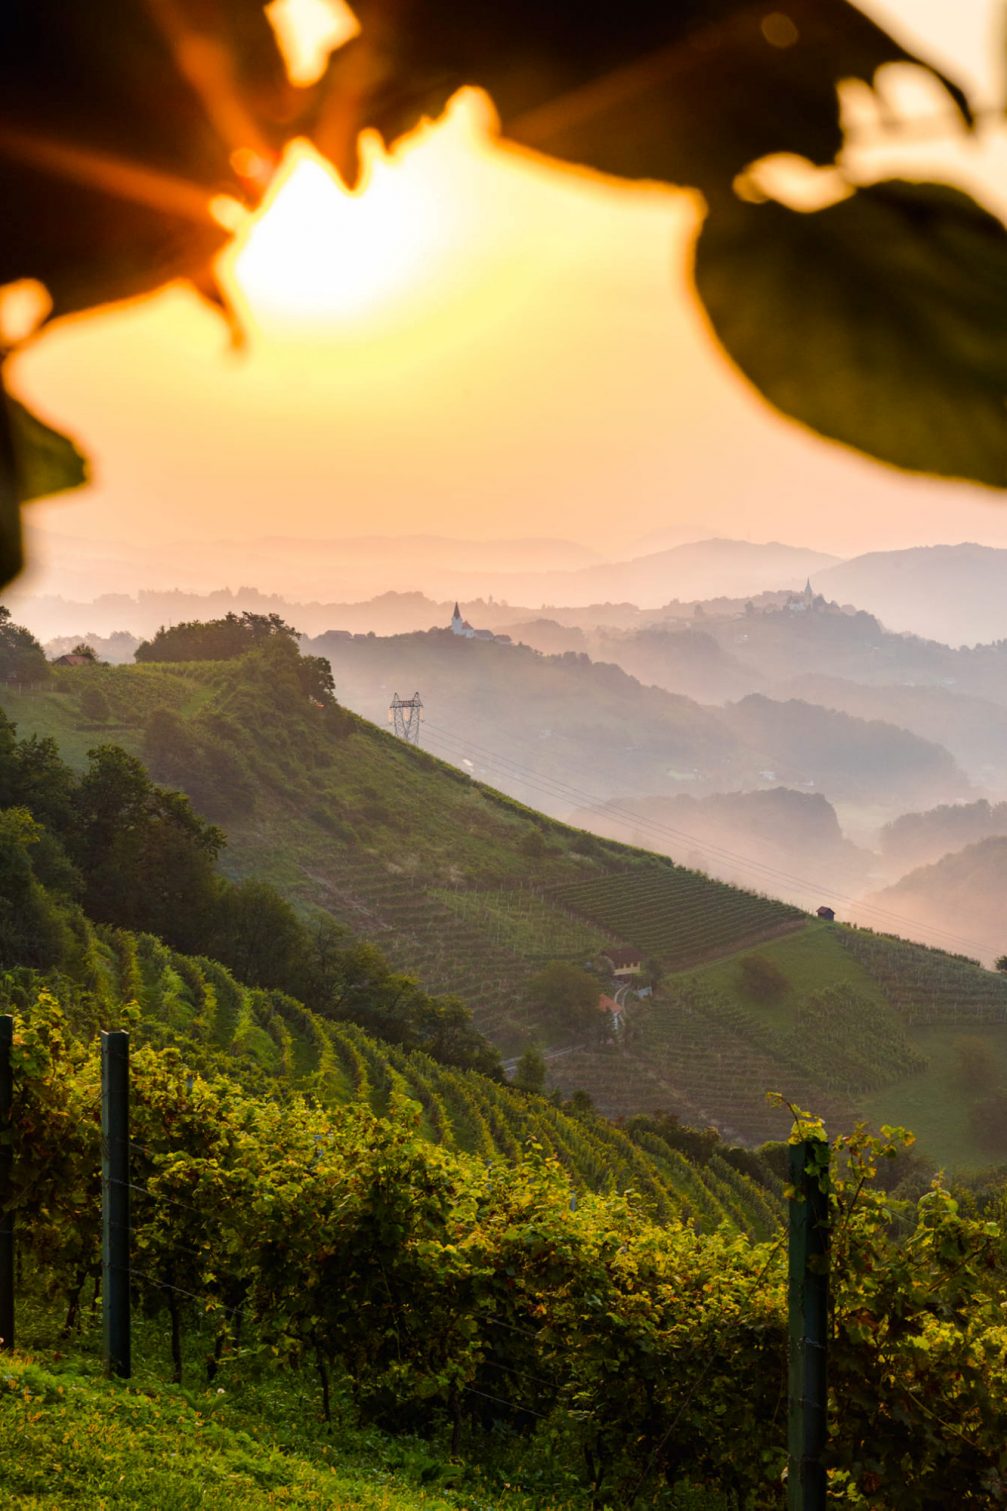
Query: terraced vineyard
(704, 1058)
(926, 985)
(464, 943)
(681, 917)
(265, 1037)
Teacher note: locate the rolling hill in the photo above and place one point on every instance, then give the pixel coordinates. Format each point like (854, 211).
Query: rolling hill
(963, 891)
(738, 836)
(953, 593)
(558, 731)
(266, 1040)
(474, 893)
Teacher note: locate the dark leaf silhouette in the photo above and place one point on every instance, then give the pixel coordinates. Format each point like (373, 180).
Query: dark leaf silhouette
(47, 462)
(689, 92)
(120, 120)
(878, 321)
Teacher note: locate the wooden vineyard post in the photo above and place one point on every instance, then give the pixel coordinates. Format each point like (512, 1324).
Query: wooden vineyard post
(115, 1202)
(6, 1164)
(808, 1305)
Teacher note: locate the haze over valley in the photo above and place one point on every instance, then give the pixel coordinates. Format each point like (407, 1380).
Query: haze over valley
(711, 701)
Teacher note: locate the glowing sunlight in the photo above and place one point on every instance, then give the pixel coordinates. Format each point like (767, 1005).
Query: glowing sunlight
(316, 255)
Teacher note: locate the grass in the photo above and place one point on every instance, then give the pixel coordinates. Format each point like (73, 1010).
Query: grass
(70, 1437)
(809, 959)
(935, 1105)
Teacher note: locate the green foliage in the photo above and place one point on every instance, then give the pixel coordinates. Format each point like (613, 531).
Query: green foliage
(677, 915)
(46, 461)
(198, 758)
(213, 639)
(94, 705)
(897, 278)
(33, 929)
(851, 1043)
(529, 1073)
(445, 1292)
(22, 659)
(762, 979)
(148, 860)
(564, 999)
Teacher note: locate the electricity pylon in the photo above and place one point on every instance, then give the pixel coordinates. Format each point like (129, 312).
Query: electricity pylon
(405, 716)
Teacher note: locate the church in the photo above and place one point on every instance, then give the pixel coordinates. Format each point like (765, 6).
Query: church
(460, 626)
(806, 602)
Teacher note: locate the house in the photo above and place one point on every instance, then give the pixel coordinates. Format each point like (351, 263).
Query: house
(71, 659)
(829, 914)
(624, 962)
(611, 1010)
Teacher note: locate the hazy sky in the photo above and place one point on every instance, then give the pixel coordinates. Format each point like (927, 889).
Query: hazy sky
(510, 349)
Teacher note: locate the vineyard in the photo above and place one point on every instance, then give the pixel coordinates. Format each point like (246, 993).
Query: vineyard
(680, 917)
(698, 1053)
(198, 1008)
(478, 1302)
(928, 985)
(458, 884)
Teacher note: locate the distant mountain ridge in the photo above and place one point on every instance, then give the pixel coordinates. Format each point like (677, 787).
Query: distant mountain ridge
(954, 593)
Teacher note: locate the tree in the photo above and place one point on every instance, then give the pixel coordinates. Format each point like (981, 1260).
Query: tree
(33, 930)
(875, 320)
(148, 861)
(762, 979)
(22, 659)
(86, 651)
(258, 934)
(564, 998)
(214, 639)
(94, 704)
(529, 1073)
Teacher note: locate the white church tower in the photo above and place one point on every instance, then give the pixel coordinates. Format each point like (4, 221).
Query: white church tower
(460, 626)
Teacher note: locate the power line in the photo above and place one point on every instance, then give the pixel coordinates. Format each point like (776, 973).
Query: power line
(555, 787)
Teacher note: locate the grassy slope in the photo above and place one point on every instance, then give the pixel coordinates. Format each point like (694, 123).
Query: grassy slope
(376, 832)
(437, 868)
(69, 1437)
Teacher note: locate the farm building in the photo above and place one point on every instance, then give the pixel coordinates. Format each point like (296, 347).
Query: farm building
(624, 962)
(829, 914)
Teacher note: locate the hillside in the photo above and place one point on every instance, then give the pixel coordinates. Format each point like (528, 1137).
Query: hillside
(265, 1039)
(918, 839)
(963, 891)
(859, 762)
(972, 729)
(953, 593)
(739, 836)
(453, 880)
(474, 894)
(556, 730)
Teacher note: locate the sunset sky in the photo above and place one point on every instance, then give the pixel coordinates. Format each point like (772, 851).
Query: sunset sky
(482, 345)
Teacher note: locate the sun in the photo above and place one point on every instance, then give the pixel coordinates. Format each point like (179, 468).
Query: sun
(315, 255)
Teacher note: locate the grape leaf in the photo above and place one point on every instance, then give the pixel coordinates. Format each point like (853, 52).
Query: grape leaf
(120, 120)
(879, 321)
(690, 92)
(46, 461)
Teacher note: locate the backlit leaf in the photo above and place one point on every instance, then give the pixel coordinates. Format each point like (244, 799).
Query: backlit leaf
(879, 321)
